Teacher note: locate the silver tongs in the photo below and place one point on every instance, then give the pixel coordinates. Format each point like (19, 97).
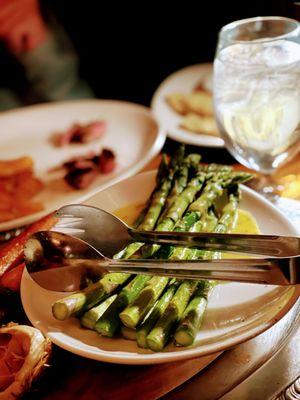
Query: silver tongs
(90, 237)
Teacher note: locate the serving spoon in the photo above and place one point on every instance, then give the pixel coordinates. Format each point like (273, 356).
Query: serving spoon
(57, 261)
(109, 235)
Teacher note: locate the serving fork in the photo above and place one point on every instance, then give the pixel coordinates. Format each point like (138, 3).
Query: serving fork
(88, 238)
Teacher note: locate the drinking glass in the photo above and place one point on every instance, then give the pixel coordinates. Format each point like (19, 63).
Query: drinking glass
(257, 91)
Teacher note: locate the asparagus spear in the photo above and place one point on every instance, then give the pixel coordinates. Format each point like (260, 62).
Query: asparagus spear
(229, 213)
(213, 189)
(158, 199)
(175, 212)
(159, 335)
(109, 322)
(154, 289)
(128, 250)
(89, 319)
(160, 196)
(70, 305)
(207, 223)
(189, 166)
(137, 310)
(193, 315)
(217, 178)
(162, 172)
(87, 298)
(192, 319)
(154, 314)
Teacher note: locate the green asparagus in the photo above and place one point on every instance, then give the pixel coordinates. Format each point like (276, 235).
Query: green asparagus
(207, 223)
(70, 305)
(137, 310)
(212, 190)
(185, 198)
(193, 315)
(89, 319)
(109, 322)
(189, 167)
(156, 204)
(189, 326)
(190, 161)
(159, 335)
(83, 300)
(175, 212)
(154, 314)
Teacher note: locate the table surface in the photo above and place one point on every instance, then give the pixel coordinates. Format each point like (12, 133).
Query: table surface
(73, 377)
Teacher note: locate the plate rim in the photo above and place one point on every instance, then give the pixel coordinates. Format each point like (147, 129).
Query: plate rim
(152, 152)
(191, 352)
(170, 132)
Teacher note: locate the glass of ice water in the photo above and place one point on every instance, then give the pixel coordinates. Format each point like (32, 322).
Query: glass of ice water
(257, 91)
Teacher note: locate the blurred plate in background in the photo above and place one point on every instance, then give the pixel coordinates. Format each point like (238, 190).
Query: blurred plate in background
(132, 133)
(183, 81)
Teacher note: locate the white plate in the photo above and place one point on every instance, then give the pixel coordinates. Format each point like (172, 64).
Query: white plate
(183, 81)
(132, 133)
(236, 312)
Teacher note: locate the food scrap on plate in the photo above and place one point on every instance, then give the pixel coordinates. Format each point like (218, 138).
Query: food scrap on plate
(82, 170)
(196, 109)
(80, 133)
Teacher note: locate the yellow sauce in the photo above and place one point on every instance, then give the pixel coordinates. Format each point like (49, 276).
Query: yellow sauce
(245, 221)
(129, 213)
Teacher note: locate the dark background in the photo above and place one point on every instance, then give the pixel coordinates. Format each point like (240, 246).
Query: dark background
(127, 49)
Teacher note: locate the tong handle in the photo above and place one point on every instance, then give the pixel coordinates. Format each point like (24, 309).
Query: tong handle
(266, 245)
(275, 271)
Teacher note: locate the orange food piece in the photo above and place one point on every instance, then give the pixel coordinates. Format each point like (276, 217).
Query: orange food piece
(6, 216)
(27, 185)
(16, 166)
(11, 253)
(18, 186)
(6, 201)
(24, 353)
(12, 278)
(14, 349)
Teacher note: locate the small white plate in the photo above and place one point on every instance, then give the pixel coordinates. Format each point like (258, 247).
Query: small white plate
(236, 312)
(132, 133)
(183, 81)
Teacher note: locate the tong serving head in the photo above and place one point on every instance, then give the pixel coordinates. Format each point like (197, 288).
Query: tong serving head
(59, 262)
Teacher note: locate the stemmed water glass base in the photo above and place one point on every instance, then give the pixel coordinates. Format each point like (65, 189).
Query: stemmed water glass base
(266, 186)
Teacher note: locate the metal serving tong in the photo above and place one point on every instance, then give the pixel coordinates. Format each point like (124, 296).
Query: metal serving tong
(91, 237)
